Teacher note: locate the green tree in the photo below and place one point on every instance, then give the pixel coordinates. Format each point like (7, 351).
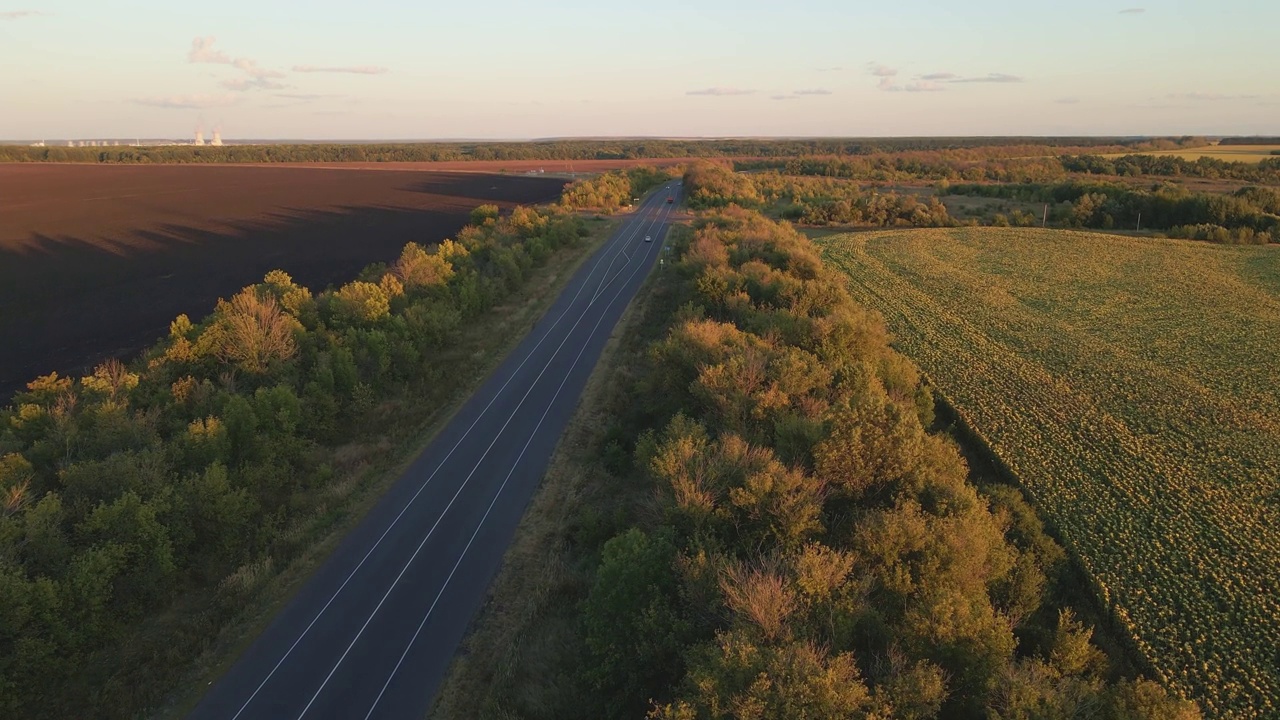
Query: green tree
(635, 633)
(484, 214)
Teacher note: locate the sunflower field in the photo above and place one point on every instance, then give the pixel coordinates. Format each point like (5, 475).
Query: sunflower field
(1132, 387)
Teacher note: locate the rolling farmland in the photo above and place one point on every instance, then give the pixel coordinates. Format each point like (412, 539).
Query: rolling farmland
(1133, 388)
(95, 260)
(1227, 153)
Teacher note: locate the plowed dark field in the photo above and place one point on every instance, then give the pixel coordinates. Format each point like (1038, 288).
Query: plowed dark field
(96, 260)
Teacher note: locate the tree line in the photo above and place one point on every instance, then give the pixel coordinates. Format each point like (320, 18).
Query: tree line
(1013, 164)
(1255, 140)
(810, 200)
(613, 190)
(812, 550)
(1266, 171)
(1249, 215)
(144, 504)
(620, 149)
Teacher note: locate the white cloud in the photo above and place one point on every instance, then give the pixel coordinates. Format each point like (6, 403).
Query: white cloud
(990, 78)
(813, 91)
(924, 86)
(784, 97)
(354, 69)
(252, 69)
(202, 52)
(259, 78)
(888, 85)
(187, 102)
(19, 14)
(1133, 11)
(939, 76)
(303, 96)
(720, 91)
(244, 84)
(879, 70)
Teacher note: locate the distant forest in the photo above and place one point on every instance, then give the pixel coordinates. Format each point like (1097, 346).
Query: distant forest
(552, 150)
(1250, 141)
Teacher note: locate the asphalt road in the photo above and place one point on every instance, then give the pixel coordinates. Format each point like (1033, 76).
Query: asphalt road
(372, 632)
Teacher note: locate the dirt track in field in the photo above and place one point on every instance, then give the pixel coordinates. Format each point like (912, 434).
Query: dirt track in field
(96, 260)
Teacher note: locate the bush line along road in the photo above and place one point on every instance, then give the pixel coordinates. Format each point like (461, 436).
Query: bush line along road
(372, 633)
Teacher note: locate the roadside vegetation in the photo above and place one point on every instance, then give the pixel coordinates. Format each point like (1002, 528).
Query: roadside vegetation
(1130, 387)
(148, 505)
(615, 190)
(764, 526)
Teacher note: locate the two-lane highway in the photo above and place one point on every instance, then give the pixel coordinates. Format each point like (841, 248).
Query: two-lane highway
(372, 632)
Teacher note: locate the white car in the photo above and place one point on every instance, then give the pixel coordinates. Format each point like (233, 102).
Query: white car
(648, 239)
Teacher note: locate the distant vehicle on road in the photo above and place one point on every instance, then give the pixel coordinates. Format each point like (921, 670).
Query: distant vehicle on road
(669, 199)
(648, 239)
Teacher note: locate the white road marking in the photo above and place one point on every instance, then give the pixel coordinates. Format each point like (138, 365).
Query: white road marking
(497, 495)
(621, 240)
(456, 494)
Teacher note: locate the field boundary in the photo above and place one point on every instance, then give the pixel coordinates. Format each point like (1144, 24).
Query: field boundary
(973, 440)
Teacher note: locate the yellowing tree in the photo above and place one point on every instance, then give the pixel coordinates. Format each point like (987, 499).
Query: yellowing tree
(251, 331)
(363, 301)
(418, 268)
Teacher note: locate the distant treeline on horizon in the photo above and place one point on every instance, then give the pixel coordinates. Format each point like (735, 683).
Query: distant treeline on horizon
(1250, 141)
(549, 150)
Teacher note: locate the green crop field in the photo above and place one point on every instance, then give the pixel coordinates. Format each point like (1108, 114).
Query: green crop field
(1133, 387)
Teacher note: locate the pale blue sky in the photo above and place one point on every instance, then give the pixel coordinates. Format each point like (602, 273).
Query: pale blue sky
(513, 69)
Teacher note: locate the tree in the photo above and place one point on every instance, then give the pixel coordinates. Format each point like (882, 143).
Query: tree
(742, 678)
(634, 631)
(419, 269)
(484, 214)
(251, 332)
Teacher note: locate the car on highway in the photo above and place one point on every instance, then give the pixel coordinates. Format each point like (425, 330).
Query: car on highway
(669, 199)
(648, 239)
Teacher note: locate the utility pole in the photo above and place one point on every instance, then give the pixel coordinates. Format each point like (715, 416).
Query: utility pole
(1044, 221)
(1139, 228)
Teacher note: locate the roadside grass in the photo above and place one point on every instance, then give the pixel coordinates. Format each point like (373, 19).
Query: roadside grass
(392, 434)
(523, 654)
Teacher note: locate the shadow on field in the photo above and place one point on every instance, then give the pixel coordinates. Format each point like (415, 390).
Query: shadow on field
(477, 187)
(67, 303)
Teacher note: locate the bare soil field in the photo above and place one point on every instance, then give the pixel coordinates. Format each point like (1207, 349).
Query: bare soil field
(503, 166)
(96, 260)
